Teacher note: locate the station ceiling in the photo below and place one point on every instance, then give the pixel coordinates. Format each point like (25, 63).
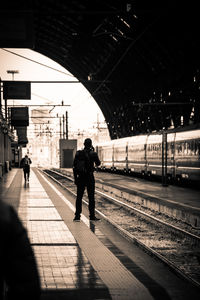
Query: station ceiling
(138, 59)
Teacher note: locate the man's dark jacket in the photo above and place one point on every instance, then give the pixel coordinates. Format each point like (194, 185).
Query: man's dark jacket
(91, 157)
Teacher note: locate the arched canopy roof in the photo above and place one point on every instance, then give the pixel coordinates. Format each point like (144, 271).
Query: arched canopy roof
(139, 59)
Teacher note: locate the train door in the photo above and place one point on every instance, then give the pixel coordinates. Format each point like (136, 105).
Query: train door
(145, 156)
(172, 160)
(171, 156)
(127, 169)
(113, 164)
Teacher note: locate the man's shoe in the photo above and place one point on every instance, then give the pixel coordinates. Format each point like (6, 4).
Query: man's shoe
(76, 219)
(94, 219)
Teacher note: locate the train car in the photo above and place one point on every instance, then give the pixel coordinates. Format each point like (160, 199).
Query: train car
(154, 155)
(105, 153)
(120, 155)
(142, 154)
(187, 155)
(136, 154)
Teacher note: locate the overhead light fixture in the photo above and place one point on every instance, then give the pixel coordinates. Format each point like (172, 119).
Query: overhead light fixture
(13, 72)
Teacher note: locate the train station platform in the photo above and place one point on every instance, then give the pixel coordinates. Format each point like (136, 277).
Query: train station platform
(73, 258)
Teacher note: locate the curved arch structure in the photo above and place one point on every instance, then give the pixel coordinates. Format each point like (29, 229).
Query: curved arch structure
(139, 61)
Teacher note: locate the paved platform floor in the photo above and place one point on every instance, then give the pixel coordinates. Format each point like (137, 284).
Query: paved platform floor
(69, 260)
(76, 260)
(62, 264)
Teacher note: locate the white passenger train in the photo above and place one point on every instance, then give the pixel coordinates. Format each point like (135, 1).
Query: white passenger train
(142, 154)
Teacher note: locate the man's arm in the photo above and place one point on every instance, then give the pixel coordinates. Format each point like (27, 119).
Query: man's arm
(96, 159)
(74, 168)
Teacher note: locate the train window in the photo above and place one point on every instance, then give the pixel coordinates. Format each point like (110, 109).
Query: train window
(136, 148)
(185, 148)
(189, 146)
(197, 147)
(170, 146)
(154, 150)
(179, 148)
(182, 148)
(193, 147)
(170, 149)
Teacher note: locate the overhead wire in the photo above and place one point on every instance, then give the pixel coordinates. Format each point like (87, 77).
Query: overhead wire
(34, 61)
(54, 69)
(22, 56)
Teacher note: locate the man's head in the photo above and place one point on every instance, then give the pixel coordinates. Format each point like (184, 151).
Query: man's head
(26, 156)
(88, 143)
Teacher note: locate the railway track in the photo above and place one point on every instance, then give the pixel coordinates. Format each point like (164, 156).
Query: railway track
(176, 247)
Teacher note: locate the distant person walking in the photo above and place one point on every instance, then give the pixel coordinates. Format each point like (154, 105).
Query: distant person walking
(83, 169)
(25, 164)
(19, 277)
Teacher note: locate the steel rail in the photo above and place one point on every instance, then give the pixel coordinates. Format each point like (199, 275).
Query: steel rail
(138, 211)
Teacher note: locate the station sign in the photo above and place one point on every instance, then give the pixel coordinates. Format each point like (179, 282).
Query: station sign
(19, 116)
(22, 135)
(16, 90)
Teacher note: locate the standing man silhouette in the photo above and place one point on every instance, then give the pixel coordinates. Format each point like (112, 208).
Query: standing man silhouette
(83, 169)
(25, 164)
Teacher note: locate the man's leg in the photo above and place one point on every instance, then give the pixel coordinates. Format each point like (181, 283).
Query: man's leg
(80, 191)
(24, 174)
(28, 173)
(90, 191)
